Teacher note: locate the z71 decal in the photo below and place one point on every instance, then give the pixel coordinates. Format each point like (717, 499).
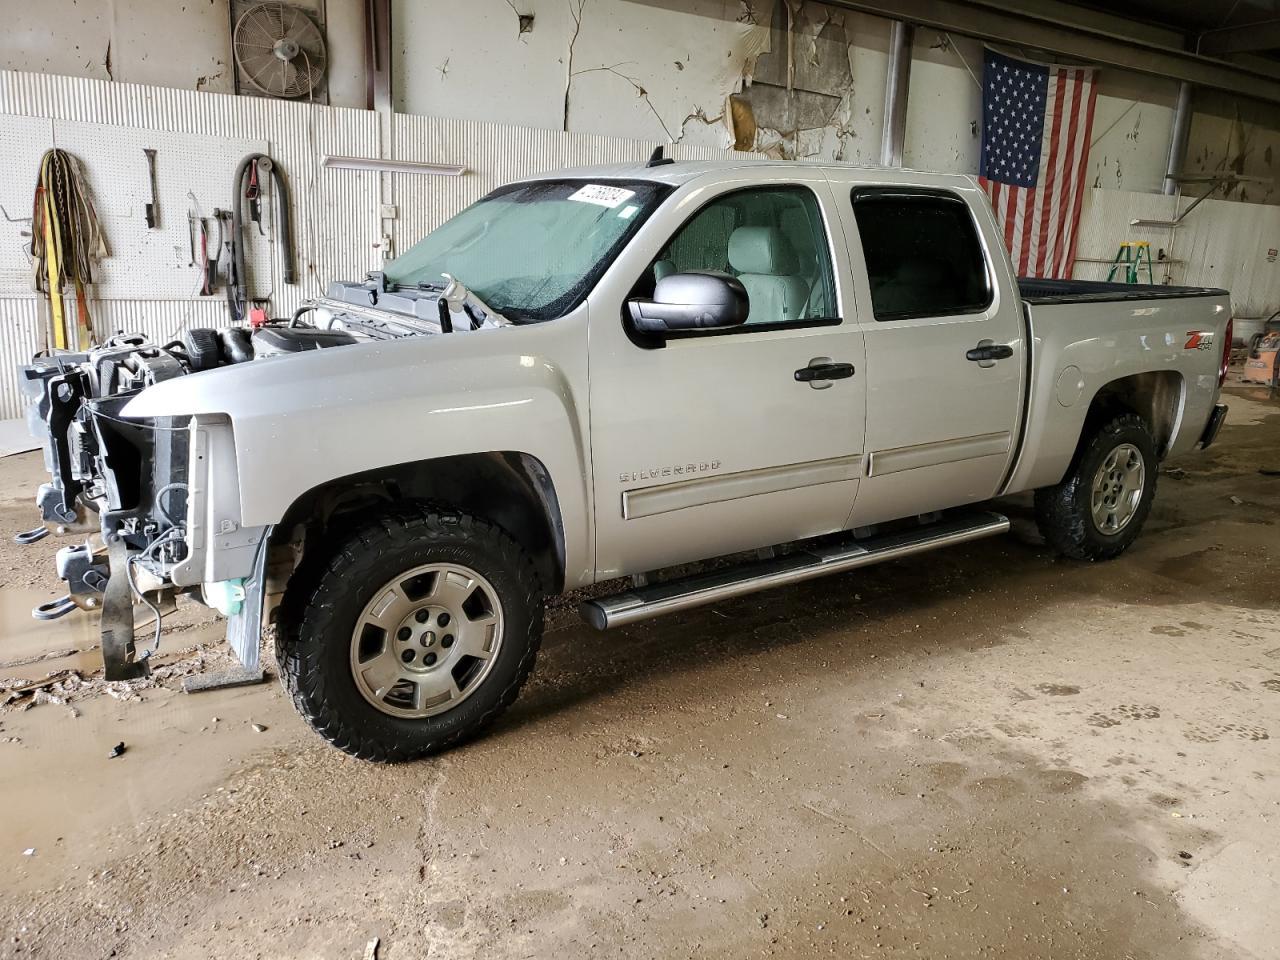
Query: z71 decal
(1199, 340)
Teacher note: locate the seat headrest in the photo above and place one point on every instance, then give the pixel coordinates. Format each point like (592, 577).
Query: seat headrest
(762, 250)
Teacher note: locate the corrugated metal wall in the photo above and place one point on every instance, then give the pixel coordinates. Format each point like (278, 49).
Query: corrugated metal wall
(1221, 243)
(496, 153)
(336, 212)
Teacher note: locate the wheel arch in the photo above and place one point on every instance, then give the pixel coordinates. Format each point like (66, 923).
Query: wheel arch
(1157, 396)
(512, 489)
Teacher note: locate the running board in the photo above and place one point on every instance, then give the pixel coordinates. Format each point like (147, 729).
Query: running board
(660, 598)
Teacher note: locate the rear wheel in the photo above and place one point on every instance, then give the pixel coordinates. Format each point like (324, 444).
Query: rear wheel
(1100, 506)
(414, 634)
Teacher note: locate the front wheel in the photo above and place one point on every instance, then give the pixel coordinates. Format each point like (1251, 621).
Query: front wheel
(418, 629)
(1099, 508)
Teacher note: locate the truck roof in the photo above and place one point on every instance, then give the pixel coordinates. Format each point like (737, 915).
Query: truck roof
(682, 171)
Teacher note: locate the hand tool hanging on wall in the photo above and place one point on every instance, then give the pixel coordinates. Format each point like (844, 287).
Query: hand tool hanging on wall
(208, 268)
(192, 221)
(225, 257)
(153, 208)
(253, 193)
(248, 186)
(66, 240)
(198, 229)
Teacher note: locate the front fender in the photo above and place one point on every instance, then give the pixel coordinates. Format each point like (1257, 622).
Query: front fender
(301, 420)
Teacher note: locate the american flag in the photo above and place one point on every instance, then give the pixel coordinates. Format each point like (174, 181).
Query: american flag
(1036, 124)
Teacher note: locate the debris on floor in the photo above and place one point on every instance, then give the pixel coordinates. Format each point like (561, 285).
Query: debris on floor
(117, 750)
(69, 685)
(199, 682)
(878, 817)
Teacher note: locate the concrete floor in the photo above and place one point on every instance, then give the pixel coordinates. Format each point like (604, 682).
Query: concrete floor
(978, 753)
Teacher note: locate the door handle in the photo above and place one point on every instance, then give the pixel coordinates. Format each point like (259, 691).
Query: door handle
(823, 368)
(986, 351)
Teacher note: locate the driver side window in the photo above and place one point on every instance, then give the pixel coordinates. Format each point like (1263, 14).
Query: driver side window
(773, 240)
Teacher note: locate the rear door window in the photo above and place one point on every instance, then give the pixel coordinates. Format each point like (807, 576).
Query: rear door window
(923, 254)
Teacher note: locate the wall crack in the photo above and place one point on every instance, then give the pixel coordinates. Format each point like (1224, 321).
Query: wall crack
(576, 13)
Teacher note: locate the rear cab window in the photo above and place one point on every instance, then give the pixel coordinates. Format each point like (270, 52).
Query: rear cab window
(923, 254)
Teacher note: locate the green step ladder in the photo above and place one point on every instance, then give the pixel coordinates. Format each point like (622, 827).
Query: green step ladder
(1132, 256)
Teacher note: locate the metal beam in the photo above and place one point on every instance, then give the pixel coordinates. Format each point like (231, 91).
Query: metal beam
(377, 55)
(997, 23)
(1178, 139)
(1242, 39)
(893, 133)
(1065, 11)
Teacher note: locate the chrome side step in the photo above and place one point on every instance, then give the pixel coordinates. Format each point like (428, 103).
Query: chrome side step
(656, 599)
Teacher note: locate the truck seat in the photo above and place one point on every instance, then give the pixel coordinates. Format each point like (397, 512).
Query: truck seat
(766, 265)
(662, 268)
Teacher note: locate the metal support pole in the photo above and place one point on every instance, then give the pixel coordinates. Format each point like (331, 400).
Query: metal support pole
(377, 55)
(895, 94)
(1178, 139)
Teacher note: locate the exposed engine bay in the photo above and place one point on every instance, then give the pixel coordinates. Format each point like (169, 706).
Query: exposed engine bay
(136, 489)
(124, 483)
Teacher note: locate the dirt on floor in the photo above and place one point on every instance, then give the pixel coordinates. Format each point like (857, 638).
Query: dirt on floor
(982, 752)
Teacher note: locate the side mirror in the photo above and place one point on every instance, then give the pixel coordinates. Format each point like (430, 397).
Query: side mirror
(691, 301)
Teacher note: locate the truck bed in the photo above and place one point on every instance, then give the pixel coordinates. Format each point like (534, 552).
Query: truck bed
(1035, 290)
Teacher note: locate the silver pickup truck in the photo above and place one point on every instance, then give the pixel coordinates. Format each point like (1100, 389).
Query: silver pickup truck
(596, 374)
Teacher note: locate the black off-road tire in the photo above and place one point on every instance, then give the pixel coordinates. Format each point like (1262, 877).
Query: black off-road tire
(325, 598)
(1063, 512)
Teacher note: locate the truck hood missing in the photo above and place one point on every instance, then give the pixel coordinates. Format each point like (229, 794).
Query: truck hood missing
(309, 418)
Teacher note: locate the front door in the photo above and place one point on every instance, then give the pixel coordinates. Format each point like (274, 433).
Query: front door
(712, 443)
(946, 354)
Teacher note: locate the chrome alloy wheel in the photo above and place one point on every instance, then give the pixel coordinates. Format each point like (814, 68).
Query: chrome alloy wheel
(1117, 488)
(427, 640)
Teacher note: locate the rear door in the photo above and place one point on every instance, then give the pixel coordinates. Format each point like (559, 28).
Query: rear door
(946, 356)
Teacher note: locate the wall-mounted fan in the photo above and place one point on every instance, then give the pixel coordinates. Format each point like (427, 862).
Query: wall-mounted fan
(279, 51)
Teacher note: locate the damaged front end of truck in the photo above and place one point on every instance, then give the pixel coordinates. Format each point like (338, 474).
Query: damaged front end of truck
(154, 501)
(135, 489)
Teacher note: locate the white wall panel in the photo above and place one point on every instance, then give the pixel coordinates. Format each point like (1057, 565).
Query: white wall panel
(21, 331)
(1221, 243)
(336, 217)
(495, 154)
(337, 225)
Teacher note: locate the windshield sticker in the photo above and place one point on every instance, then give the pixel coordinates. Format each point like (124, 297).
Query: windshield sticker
(602, 195)
(627, 212)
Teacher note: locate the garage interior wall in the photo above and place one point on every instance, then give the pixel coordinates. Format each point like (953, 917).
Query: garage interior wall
(336, 213)
(565, 82)
(792, 79)
(166, 43)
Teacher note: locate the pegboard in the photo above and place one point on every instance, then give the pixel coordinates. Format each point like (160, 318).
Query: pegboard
(142, 263)
(20, 162)
(155, 264)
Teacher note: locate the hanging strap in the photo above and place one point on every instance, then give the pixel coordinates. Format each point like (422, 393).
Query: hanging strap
(67, 240)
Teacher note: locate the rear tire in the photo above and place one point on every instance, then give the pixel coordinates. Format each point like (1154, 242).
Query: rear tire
(1099, 508)
(376, 639)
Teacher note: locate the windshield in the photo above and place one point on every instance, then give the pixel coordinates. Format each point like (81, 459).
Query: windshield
(532, 250)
